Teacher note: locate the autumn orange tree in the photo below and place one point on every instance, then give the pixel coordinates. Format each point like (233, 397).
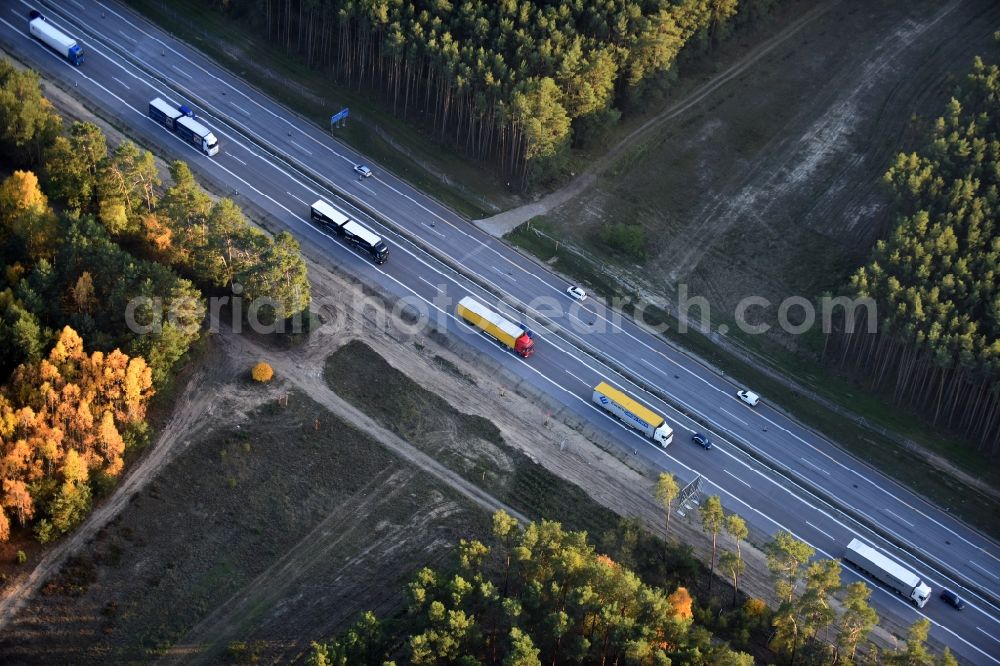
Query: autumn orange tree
(24, 208)
(262, 372)
(62, 421)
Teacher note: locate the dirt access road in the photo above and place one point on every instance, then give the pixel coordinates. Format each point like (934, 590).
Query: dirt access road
(502, 223)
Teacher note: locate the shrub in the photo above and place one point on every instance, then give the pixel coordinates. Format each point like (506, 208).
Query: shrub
(680, 603)
(22, 557)
(262, 372)
(629, 239)
(43, 531)
(241, 652)
(754, 607)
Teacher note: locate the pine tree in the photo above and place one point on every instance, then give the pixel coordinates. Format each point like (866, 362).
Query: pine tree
(857, 621)
(736, 528)
(786, 556)
(713, 519)
(666, 492)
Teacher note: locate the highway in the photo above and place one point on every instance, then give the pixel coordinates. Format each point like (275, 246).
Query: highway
(279, 163)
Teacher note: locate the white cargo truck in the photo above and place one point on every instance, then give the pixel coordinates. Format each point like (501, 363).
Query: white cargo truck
(54, 38)
(880, 567)
(633, 413)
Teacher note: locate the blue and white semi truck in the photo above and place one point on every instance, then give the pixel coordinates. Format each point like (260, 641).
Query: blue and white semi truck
(180, 120)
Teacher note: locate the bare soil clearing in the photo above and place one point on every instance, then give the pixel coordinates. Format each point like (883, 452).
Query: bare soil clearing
(250, 529)
(771, 184)
(468, 444)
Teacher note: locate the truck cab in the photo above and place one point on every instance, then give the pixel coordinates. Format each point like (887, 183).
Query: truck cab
(381, 253)
(525, 344)
(663, 435)
(921, 593)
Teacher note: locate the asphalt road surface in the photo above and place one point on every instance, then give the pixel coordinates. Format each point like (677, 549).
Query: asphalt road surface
(767, 467)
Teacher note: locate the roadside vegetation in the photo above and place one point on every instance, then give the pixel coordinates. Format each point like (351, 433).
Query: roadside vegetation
(536, 593)
(100, 298)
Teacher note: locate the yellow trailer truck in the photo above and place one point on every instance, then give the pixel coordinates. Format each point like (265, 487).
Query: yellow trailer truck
(633, 414)
(514, 336)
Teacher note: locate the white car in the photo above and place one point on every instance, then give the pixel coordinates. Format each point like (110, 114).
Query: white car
(748, 397)
(576, 293)
(362, 171)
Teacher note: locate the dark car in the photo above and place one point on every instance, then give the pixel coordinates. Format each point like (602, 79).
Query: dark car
(952, 599)
(701, 440)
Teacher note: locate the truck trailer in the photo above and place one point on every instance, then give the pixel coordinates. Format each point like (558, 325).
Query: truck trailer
(164, 113)
(54, 38)
(196, 134)
(354, 233)
(633, 414)
(515, 337)
(888, 572)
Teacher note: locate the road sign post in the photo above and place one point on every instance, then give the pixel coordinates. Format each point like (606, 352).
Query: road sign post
(339, 119)
(688, 493)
